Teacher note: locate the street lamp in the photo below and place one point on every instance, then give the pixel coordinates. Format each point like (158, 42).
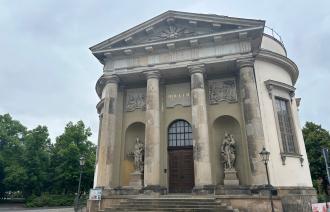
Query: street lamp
(81, 163)
(265, 158)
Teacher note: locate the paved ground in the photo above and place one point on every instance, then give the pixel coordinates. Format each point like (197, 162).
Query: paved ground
(20, 208)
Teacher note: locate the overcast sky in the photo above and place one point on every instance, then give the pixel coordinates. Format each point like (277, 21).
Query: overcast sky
(48, 75)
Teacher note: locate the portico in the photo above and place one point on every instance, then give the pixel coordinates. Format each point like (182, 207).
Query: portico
(184, 84)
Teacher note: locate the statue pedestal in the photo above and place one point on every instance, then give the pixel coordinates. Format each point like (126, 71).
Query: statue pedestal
(231, 177)
(136, 180)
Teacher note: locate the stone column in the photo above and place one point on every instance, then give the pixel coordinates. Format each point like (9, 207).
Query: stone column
(152, 132)
(105, 171)
(202, 164)
(252, 119)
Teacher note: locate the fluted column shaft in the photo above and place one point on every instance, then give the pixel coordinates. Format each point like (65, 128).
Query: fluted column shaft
(252, 119)
(152, 131)
(202, 164)
(105, 164)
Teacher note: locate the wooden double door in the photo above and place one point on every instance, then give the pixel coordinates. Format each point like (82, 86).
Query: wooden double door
(181, 170)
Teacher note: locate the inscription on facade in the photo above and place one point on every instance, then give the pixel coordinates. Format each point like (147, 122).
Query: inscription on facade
(222, 90)
(135, 99)
(178, 94)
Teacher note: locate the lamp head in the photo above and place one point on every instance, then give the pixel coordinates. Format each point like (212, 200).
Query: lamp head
(82, 161)
(264, 154)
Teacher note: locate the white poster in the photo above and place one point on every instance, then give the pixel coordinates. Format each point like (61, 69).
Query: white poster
(320, 207)
(95, 194)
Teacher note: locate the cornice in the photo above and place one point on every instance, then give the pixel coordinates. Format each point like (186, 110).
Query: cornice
(278, 59)
(270, 84)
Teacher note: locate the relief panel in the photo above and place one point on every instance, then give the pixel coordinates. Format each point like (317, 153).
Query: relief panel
(178, 94)
(222, 90)
(135, 99)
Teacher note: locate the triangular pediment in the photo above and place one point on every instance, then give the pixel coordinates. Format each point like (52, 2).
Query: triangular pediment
(173, 25)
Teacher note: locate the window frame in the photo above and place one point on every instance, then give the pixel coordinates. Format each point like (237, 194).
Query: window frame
(285, 92)
(177, 133)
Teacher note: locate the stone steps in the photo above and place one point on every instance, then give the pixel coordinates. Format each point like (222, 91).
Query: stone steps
(170, 209)
(171, 204)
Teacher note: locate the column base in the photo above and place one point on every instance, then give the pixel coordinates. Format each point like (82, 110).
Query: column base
(204, 189)
(154, 190)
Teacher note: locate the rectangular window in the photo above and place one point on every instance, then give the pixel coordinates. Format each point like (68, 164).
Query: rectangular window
(285, 124)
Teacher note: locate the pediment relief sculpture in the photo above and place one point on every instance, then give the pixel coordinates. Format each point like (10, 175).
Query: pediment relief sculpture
(173, 25)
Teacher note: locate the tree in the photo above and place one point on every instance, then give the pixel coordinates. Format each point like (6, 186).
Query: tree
(12, 170)
(69, 147)
(36, 159)
(315, 139)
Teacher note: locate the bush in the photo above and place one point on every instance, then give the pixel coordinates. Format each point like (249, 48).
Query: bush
(50, 200)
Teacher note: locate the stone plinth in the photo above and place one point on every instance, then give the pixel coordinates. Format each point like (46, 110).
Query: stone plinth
(231, 177)
(136, 180)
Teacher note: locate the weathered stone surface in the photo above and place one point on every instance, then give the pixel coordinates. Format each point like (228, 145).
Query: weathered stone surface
(202, 164)
(222, 90)
(178, 94)
(136, 180)
(231, 177)
(252, 118)
(107, 140)
(152, 131)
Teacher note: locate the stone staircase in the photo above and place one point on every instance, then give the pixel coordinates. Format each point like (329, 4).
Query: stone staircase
(171, 203)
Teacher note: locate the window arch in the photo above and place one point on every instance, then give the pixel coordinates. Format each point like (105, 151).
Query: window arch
(179, 134)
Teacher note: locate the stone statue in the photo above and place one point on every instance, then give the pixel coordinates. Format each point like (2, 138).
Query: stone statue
(138, 155)
(228, 151)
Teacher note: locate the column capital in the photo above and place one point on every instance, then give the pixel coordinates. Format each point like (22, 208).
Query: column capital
(113, 78)
(196, 68)
(246, 62)
(152, 74)
(105, 79)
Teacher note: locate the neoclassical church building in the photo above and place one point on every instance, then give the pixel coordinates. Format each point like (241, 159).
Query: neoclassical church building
(187, 103)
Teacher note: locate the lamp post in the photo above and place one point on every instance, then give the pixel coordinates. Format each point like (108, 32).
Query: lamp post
(265, 158)
(81, 163)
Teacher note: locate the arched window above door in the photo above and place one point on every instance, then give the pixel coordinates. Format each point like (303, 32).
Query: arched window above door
(179, 134)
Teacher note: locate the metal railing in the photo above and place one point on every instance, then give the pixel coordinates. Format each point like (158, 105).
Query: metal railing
(270, 31)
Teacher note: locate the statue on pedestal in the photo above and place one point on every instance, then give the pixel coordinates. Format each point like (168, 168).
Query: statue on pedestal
(228, 153)
(138, 155)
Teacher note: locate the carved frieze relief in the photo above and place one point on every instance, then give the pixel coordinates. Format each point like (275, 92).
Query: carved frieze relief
(135, 99)
(222, 90)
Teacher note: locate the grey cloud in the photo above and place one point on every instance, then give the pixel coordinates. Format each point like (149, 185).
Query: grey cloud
(47, 74)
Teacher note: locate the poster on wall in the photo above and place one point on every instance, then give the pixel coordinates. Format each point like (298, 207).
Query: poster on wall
(320, 207)
(95, 194)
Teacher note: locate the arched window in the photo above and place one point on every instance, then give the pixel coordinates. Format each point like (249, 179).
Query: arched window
(179, 134)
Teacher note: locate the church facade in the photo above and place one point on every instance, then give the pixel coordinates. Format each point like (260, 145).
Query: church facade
(187, 102)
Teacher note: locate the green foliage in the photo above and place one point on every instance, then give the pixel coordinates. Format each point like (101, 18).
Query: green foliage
(49, 200)
(12, 170)
(315, 139)
(31, 165)
(36, 159)
(69, 147)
